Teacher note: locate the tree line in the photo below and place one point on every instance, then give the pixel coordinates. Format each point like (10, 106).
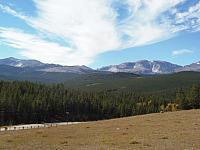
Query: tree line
(26, 102)
(190, 98)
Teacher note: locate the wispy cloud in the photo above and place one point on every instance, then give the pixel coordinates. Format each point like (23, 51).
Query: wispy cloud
(87, 28)
(91, 27)
(181, 52)
(190, 19)
(33, 46)
(7, 9)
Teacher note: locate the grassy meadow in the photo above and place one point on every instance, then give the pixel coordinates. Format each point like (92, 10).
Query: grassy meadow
(160, 131)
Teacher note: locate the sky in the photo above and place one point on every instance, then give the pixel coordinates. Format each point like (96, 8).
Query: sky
(97, 33)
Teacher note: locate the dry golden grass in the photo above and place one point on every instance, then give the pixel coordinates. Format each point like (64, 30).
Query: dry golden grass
(163, 131)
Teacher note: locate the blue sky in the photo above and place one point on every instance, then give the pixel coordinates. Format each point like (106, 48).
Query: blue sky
(100, 32)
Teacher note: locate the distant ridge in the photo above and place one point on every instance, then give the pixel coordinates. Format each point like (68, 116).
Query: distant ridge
(35, 65)
(150, 67)
(142, 67)
(11, 61)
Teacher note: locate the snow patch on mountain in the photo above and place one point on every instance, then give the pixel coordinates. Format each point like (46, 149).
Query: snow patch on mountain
(143, 67)
(19, 65)
(34, 65)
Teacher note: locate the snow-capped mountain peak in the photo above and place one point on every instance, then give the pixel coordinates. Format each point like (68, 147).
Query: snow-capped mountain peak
(143, 67)
(34, 65)
(20, 63)
(138, 67)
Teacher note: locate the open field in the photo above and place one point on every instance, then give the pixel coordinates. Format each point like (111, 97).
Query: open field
(163, 131)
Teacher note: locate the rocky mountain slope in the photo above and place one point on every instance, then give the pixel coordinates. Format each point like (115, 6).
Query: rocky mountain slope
(150, 67)
(34, 65)
(142, 67)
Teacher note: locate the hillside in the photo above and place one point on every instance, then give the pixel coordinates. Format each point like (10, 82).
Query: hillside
(101, 81)
(84, 78)
(156, 84)
(164, 131)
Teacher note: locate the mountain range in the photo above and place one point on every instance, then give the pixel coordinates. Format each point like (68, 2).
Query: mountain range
(146, 67)
(144, 75)
(142, 67)
(34, 65)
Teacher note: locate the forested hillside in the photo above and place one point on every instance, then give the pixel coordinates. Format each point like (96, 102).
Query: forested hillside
(126, 81)
(25, 102)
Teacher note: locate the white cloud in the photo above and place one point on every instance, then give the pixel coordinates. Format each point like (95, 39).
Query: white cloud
(8, 10)
(90, 27)
(34, 47)
(190, 19)
(181, 52)
(142, 26)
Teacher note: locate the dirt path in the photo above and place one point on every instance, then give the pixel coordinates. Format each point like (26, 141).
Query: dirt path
(32, 126)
